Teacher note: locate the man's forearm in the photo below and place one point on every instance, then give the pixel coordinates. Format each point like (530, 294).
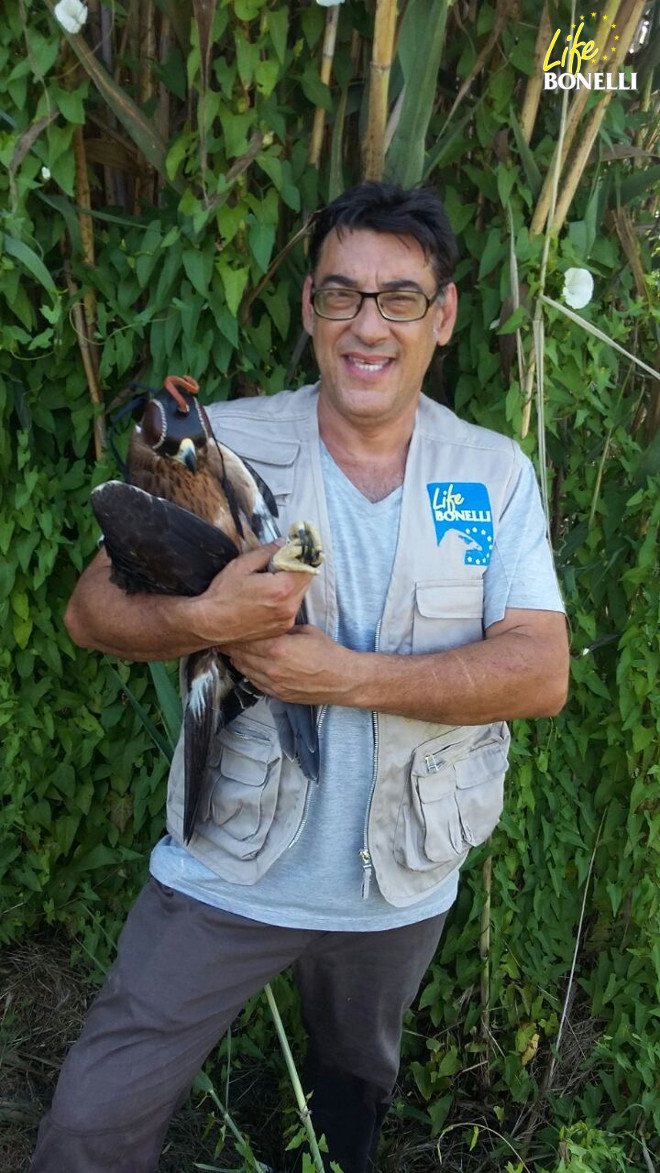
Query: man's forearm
(495, 680)
(242, 603)
(137, 627)
(519, 670)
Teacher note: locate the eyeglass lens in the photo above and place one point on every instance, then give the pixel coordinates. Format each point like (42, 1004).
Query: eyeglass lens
(398, 304)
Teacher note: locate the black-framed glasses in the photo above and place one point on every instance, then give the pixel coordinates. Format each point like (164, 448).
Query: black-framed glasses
(395, 305)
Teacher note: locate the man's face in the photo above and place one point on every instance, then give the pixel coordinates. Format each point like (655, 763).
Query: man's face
(372, 369)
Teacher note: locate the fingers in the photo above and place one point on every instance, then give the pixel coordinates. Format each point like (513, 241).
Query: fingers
(244, 603)
(256, 560)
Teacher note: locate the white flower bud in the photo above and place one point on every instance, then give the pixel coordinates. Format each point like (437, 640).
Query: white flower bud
(45, 173)
(578, 288)
(71, 15)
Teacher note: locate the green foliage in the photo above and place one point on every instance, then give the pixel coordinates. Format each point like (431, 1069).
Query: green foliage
(199, 187)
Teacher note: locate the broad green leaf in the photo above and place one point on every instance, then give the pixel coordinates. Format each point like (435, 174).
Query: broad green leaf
(30, 261)
(530, 166)
(159, 740)
(278, 22)
(169, 701)
(314, 89)
(141, 130)
(421, 43)
(262, 239)
(234, 281)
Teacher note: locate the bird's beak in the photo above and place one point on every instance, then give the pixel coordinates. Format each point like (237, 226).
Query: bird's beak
(187, 454)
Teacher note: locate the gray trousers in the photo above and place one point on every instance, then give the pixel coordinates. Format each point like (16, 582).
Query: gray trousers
(182, 974)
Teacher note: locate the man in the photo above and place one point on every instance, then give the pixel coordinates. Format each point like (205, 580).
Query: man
(436, 618)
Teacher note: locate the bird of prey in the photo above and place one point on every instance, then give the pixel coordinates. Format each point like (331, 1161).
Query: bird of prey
(190, 507)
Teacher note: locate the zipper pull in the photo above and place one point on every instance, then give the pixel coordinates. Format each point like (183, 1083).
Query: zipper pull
(366, 873)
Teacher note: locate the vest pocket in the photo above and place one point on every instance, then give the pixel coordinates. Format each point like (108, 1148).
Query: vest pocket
(246, 777)
(447, 614)
(453, 800)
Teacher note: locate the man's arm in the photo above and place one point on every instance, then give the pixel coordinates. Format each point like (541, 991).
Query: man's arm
(519, 670)
(242, 603)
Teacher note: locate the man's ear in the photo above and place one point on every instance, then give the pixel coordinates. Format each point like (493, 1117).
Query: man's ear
(445, 316)
(307, 311)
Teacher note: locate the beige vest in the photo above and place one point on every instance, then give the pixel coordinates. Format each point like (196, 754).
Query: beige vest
(437, 789)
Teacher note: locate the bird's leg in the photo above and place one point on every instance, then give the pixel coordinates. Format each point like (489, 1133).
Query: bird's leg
(303, 550)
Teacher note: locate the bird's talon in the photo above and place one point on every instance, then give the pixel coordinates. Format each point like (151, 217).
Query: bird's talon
(303, 550)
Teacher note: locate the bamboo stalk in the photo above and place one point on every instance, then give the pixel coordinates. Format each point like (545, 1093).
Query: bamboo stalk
(379, 85)
(575, 113)
(303, 1109)
(634, 11)
(534, 83)
(327, 58)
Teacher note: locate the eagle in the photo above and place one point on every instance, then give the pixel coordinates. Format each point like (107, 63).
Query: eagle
(190, 506)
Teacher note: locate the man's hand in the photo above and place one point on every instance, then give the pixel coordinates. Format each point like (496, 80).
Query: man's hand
(244, 602)
(304, 666)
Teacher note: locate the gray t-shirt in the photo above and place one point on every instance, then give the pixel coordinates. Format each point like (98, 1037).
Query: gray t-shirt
(317, 882)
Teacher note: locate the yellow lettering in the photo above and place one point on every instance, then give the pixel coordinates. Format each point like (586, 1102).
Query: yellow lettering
(578, 52)
(551, 64)
(575, 51)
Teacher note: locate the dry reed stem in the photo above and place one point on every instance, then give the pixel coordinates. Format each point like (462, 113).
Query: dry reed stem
(80, 327)
(505, 10)
(630, 245)
(83, 200)
(162, 112)
(379, 86)
(144, 186)
(484, 952)
(534, 83)
(576, 110)
(528, 396)
(327, 57)
(633, 13)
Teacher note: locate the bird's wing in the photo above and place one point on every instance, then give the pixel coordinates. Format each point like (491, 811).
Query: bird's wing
(253, 506)
(154, 545)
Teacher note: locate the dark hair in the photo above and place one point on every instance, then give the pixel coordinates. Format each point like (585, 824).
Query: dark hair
(386, 207)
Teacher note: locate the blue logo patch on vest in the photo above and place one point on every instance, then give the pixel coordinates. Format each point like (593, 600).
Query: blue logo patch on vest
(461, 513)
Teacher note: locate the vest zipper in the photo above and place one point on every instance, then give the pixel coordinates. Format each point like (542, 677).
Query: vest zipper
(365, 854)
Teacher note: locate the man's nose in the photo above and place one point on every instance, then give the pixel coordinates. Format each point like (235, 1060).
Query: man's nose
(370, 323)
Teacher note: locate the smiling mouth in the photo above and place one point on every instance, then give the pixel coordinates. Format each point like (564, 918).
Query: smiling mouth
(371, 366)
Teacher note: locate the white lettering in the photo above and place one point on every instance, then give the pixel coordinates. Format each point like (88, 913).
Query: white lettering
(598, 81)
(633, 81)
(584, 82)
(453, 514)
(550, 81)
(566, 81)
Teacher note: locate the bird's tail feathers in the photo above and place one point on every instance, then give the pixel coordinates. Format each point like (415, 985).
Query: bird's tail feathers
(199, 726)
(298, 734)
